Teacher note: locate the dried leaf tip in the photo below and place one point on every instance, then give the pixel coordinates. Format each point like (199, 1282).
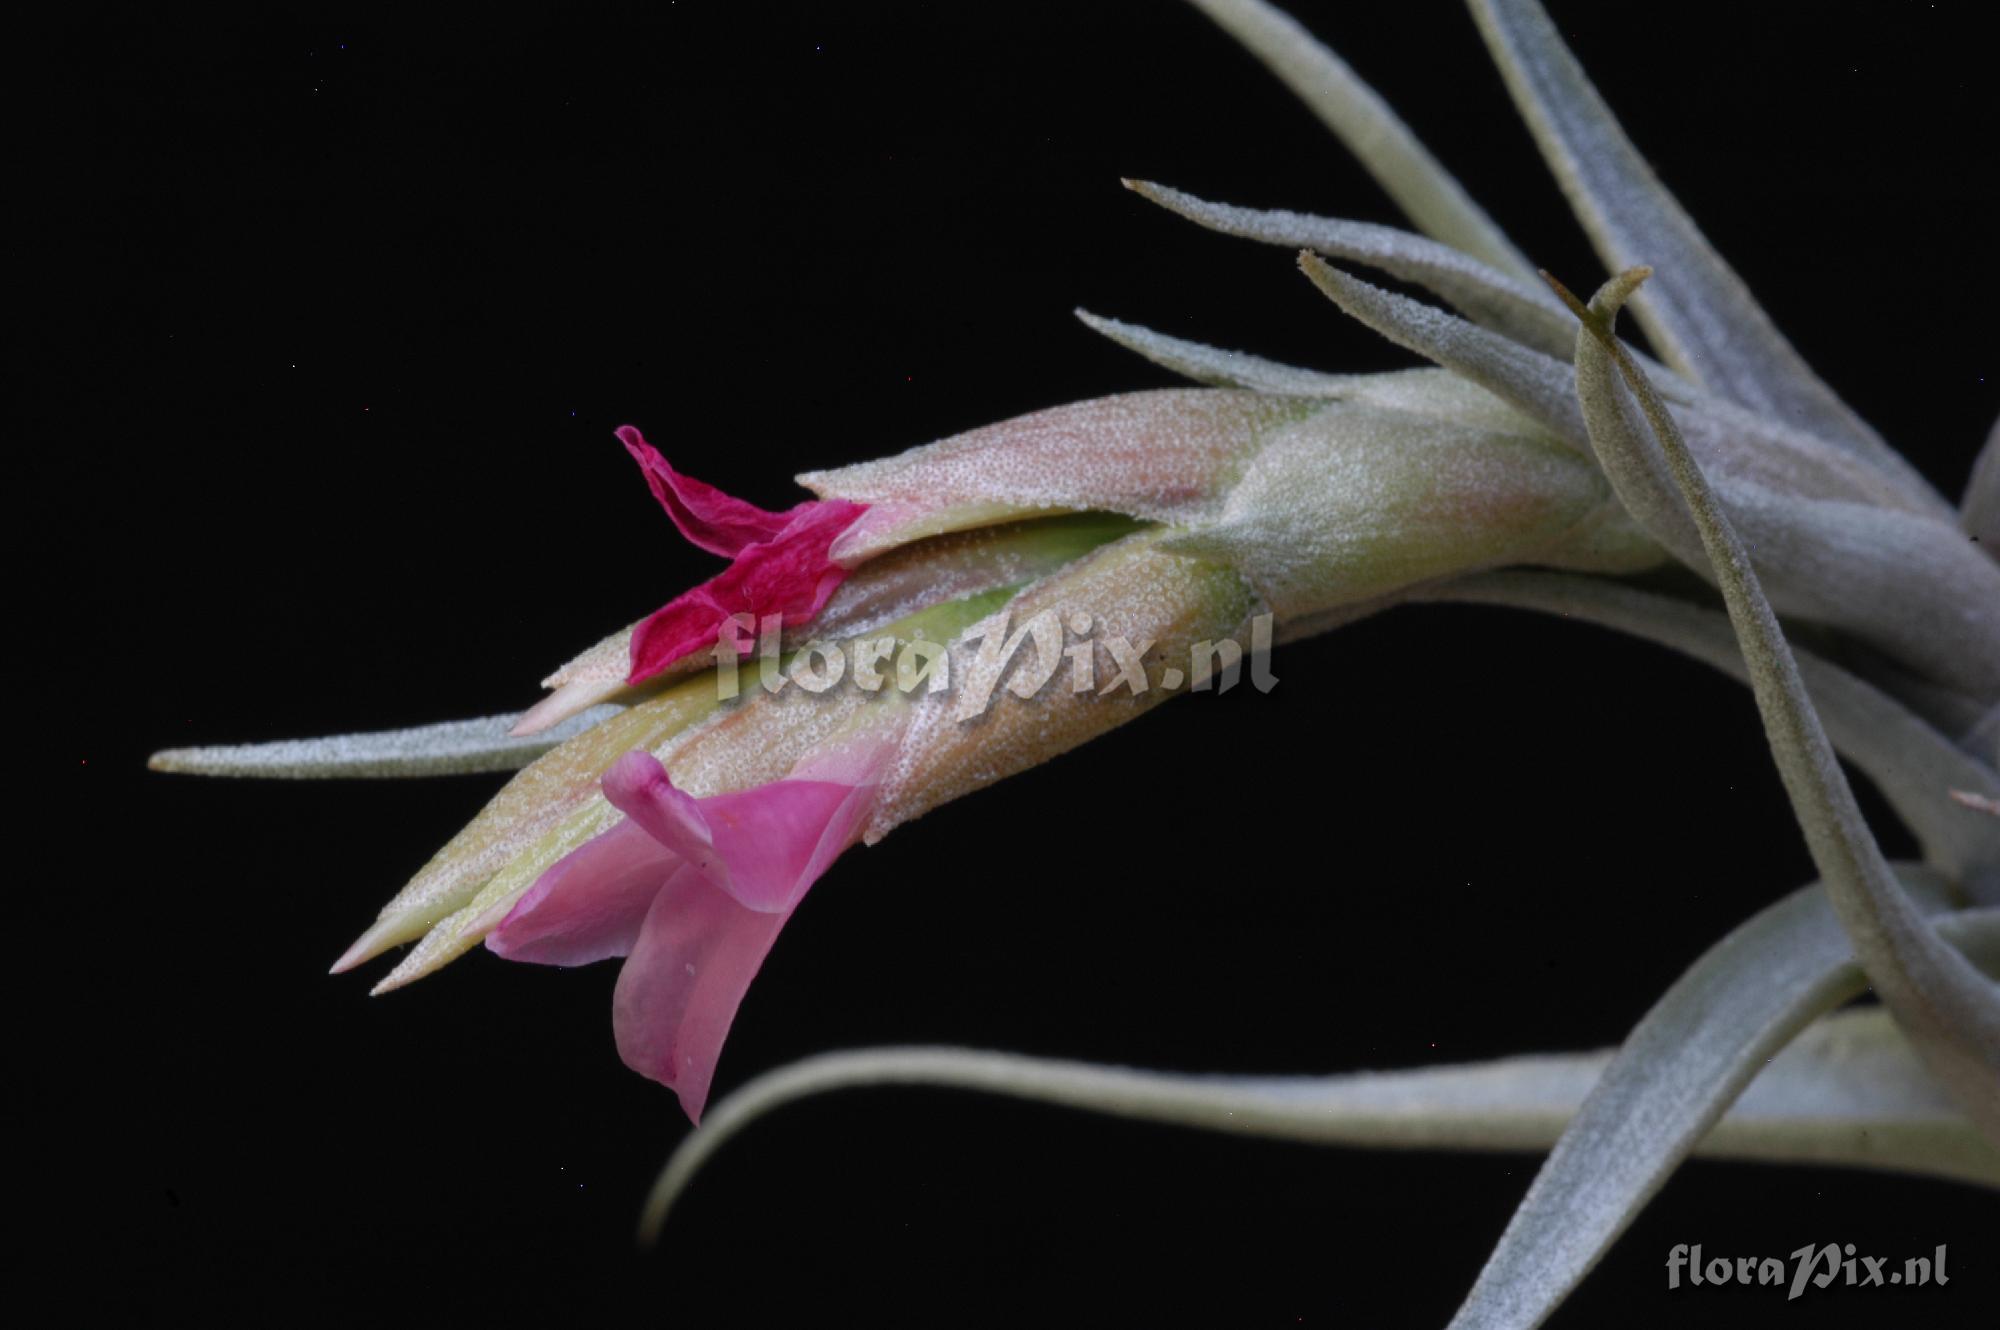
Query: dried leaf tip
(1609, 297)
(1981, 802)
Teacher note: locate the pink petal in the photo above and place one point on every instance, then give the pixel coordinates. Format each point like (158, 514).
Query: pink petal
(679, 991)
(589, 906)
(762, 846)
(693, 892)
(717, 522)
(703, 942)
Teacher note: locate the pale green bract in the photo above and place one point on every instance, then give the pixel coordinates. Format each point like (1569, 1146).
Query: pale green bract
(1728, 443)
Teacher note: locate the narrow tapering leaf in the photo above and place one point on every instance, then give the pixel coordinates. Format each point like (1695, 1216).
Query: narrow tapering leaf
(1846, 1092)
(1951, 1011)
(1379, 140)
(447, 749)
(1979, 512)
(1522, 310)
(1982, 738)
(1700, 316)
(1913, 765)
(1909, 585)
(1673, 1078)
(1539, 386)
(1737, 444)
(1215, 366)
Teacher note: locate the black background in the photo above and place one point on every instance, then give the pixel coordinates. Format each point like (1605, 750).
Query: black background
(348, 312)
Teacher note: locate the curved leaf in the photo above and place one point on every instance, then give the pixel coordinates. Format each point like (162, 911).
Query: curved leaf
(1905, 583)
(1847, 1092)
(1676, 1073)
(1381, 142)
(1950, 1010)
(1699, 314)
(1979, 511)
(1911, 763)
(1493, 299)
(1539, 386)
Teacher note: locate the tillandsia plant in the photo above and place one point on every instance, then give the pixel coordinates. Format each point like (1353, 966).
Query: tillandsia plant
(932, 623)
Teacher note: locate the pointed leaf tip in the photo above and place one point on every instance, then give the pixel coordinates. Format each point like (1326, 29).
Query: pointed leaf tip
(1701, 316)
(1215, 365)
(1487, 295)
(1950, 1011)
(1539, 386)
(1427, 193)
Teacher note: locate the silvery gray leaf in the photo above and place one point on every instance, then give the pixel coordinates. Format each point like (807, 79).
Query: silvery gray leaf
(1911, 586)
(1377, 137)
(1673, 1078)
(1910, 762)
(1213, 365)
(1539, 386)
(447, 749)
(1949, 1009)
(1698, 313)
(1522, 310)
(1847, 1092)
(1979, 512)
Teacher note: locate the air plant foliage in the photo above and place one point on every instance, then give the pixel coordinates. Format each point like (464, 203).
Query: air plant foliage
(1704, 491)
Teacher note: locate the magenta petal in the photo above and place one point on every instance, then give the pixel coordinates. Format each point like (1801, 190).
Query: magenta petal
(717, 522)
(689, 624)
(790, 575)
(590, 904)
(679, 990)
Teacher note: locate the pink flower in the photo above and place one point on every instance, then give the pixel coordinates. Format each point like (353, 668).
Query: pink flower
(782, 561)
(692, 892)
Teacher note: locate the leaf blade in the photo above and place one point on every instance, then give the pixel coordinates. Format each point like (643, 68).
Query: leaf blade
(1215, 366)
(1979, 510)
(1377, 137)
(1950, 1010)
(1701, 317)
(448, 748)
(1683, 1064)
(1489, 297)
(1795, 1110)
(1910, 762)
